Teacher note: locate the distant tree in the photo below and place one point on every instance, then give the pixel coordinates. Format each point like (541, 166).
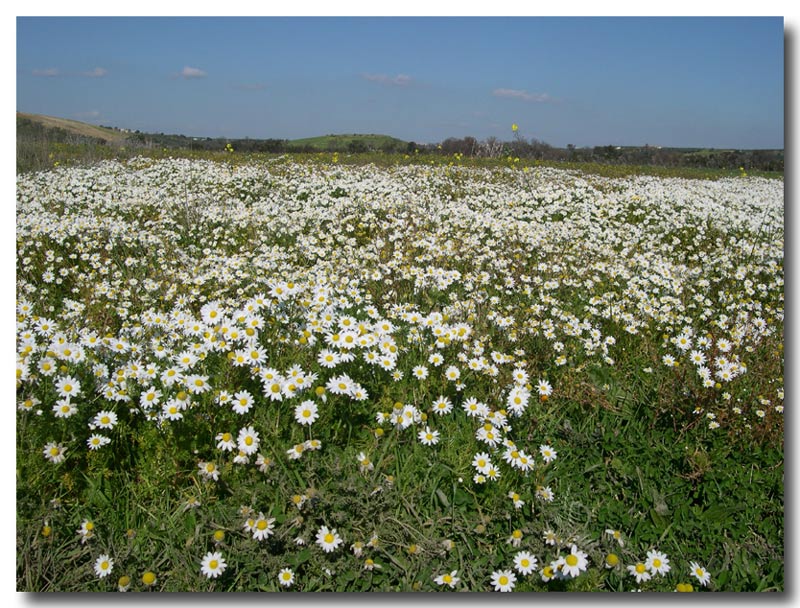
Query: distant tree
(355, 146)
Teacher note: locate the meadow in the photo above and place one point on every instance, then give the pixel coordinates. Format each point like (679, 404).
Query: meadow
(295, 374)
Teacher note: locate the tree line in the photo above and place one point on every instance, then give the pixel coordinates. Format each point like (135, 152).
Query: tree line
(34, 136)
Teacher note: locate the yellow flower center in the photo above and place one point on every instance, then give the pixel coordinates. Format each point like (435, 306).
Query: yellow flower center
(640, 568)
(503, 580)
(517, 534)
(328, 538)
(67, 388)
(248, 440)
(447, 579)
(572, 560)
(524, 562)
(213, 564)
(261, 525)
(53, 451)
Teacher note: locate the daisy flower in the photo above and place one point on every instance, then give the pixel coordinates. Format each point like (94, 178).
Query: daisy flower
(548, 453)
(306, 413)
(208, 470)
(248, 440)
(617, 536)
(451, 580)
(515, 498)
(442, 406)
(697, 571)
(68, 386)
(242, 402)
(544, 388)
(225, 442)
(657, 562)
(452, 373)
(296, 452)
(525, 563)
(63, 408)
(364, 463)
(328, 539)
(197, 384)
(481, 462)
(428, 437)
(503, 580)
(263, 527)
(575, 562)
(105, 420)
(103, 566)
(545, 493)
(149, 578)
(640, 572)
(54, 452)
(95, 442)
(213, 564)
(420, 372)
(286, 577)
(340, 385)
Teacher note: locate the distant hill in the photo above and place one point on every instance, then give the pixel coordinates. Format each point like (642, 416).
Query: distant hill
(75, 127)
(350, 143)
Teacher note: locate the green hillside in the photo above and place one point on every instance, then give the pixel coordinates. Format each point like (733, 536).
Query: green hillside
(351, 142)
(75, 127)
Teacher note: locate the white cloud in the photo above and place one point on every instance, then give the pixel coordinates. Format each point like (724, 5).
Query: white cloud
(523, 95)
(47, 72)
(188, 72)
(401, 80)
(96, 73)
(89, 114)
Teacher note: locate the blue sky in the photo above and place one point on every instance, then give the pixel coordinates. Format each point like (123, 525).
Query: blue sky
(692, 82)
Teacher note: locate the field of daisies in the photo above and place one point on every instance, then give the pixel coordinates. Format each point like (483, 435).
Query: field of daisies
(296, 375)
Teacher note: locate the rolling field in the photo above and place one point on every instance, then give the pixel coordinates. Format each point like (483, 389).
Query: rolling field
(282, 375)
